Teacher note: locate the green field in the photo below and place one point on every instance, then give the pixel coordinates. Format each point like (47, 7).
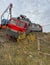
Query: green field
(25, 51)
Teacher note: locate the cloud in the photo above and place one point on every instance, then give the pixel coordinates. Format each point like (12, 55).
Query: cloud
(37, 10)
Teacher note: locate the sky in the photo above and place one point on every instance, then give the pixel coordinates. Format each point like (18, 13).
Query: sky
(37, 10)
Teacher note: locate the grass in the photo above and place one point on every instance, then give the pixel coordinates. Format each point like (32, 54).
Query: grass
(23, 52)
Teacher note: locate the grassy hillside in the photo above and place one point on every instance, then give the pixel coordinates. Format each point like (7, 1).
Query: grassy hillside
(32, 50)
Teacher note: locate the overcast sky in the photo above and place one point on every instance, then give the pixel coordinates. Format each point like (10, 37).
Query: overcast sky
(37, 10)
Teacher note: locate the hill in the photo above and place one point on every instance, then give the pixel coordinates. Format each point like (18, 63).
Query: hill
(31, 50)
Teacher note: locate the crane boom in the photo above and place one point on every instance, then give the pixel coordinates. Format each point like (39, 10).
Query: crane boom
(10, 11)
(3, 22)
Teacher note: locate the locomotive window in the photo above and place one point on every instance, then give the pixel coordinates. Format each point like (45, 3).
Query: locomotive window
(26, 20)
(13, 22)
(20, 24)
(37, 26)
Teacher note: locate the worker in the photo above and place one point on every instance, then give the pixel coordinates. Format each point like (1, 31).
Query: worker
(22, 16)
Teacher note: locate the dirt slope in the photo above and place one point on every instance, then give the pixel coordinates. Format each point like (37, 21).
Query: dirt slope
(32, 50)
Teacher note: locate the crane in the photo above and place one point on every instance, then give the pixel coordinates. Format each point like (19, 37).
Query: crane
(5, 21)
(10, 10)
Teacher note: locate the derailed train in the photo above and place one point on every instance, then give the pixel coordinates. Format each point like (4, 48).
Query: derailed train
(20, 25)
